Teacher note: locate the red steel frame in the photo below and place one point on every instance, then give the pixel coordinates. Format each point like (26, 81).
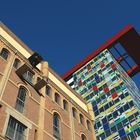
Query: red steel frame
(128, 38)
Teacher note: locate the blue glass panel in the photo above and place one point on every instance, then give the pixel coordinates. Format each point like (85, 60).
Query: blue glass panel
(121, 132)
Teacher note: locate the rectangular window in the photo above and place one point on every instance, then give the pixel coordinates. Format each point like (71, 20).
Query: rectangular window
(15, 130)
(28, 76)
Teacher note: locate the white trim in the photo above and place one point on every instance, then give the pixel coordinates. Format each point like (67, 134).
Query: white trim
(70, 80)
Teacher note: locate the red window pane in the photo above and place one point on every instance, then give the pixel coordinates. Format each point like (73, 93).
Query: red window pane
(114, 95)
(79, 82)
(89, 67)
(113, 66)
(94, 87)
(106, 89)
(102, 65)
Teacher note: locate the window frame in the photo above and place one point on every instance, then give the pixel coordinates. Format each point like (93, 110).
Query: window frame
(20, 103)
(4, 53)
(57, 126)
(17, 63)
(57, 98)
(15, 130)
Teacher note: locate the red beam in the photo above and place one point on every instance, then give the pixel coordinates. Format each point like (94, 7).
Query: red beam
(107, 44)
(135, 69)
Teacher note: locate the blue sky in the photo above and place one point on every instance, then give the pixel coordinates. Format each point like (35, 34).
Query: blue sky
(65, 31)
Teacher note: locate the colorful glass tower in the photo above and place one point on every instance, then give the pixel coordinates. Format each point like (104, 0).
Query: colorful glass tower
(114, 97)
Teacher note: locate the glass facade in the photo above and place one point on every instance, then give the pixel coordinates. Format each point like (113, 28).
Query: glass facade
(114, 97)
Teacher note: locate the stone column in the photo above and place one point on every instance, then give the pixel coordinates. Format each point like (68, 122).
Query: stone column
(41, 117)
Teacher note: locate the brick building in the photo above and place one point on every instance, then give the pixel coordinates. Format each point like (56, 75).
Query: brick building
(35, 103)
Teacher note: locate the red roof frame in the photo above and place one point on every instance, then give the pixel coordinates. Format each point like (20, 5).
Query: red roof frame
(107, 44)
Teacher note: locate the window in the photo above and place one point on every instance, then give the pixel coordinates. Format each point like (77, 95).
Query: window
(15, 130)
(56, 126)
(16, 63)
(65, 104)
(57, 98)
(74, 112)
(81, 119)
(21, 99)
(48, 91)
(83, 137)
(88, 125)
(28, 76)
(4, 53)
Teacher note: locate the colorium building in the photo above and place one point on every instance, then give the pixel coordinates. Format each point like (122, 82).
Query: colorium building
(104, 81)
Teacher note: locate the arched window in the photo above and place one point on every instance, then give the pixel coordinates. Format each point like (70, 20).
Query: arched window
(48, 91)
(83, 137)
(56, 126)
(57, 98)
(65, 104)
(16, 63)
(21, 99)
(4, 53)
(81, 119)
(74, 112)
(88, 125)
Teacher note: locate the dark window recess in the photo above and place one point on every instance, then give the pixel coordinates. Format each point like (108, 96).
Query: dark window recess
(126, 107)
(98, 100)
(131, 135)
(106, 106)
(81, 119)
(108, 132)
(102, 136)
(113, 129)
(122, 96)
(104, 120)
(108, 93)
(95, 108)
(115, 114)
(131, 104)
(110, 117)
(126, 94)
(131, 118)
(16, 63)
(119, 126)
(98, 124)
(96, 113)
(111, 103)
(136, 114)
(103, 97)
(112, 90)
(101, 88)
(116, 101)
(121, 110)
(125, 122)
(101, 109)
